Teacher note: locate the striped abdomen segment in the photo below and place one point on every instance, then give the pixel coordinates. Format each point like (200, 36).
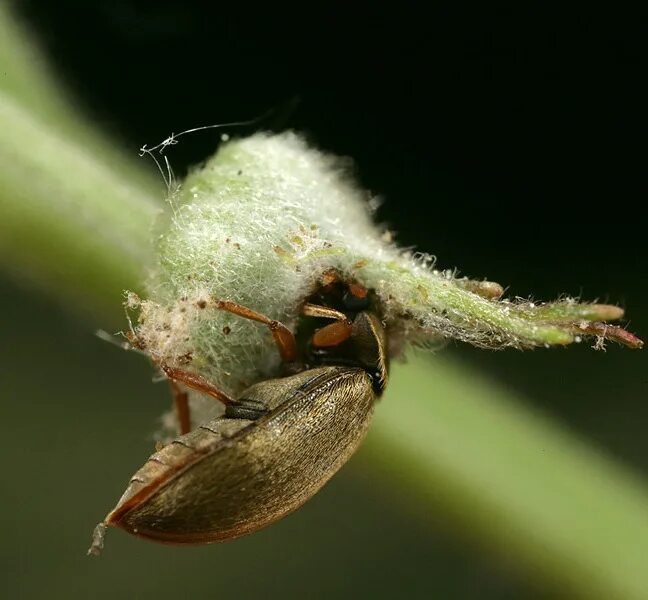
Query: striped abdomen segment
(171, 460)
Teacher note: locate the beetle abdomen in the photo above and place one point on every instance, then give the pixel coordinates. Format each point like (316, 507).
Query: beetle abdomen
(171, 460)
(233, 476)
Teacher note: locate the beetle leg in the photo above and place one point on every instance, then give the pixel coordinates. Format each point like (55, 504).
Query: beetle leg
(195, 382)
(333, 334)
(181, 400)
(283, 337)
(323, 312)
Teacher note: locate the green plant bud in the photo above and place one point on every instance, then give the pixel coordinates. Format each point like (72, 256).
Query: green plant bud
(263, 221)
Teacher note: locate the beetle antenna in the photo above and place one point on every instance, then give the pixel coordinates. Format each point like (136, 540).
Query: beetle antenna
(98, 536)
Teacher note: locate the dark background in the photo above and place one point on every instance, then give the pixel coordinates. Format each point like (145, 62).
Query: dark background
(509, 143)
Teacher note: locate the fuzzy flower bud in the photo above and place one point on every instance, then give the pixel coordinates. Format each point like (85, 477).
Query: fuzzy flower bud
(263, 222)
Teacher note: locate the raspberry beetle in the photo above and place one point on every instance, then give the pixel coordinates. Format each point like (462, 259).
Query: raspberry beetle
(276, 444)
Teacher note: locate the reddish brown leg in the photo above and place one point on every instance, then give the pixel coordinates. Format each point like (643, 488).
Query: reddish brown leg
(196, 382)
(333, 334)
(181, 400)
(283, 337)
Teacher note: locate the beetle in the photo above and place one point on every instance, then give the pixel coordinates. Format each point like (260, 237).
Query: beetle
(276, 444)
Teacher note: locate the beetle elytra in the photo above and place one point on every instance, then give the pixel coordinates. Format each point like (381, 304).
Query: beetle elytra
(276, 445)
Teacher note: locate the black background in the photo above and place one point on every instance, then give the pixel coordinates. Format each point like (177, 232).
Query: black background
(493, 135)
(509, 143)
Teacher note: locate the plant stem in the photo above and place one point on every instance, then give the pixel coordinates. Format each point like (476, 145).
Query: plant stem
(69, 223)
(462, 449)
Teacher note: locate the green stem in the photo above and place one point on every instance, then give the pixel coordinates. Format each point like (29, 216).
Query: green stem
(69, 222)
(465, 451)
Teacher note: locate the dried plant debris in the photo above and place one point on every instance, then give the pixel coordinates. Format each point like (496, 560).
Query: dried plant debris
(265, 222)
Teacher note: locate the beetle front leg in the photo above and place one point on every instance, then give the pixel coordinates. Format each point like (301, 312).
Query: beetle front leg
(283, 337)
(333, 334)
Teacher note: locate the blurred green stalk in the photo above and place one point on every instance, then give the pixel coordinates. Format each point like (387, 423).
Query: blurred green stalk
(464, 450)
(75, 220)
(69, 222)
(75, 213)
